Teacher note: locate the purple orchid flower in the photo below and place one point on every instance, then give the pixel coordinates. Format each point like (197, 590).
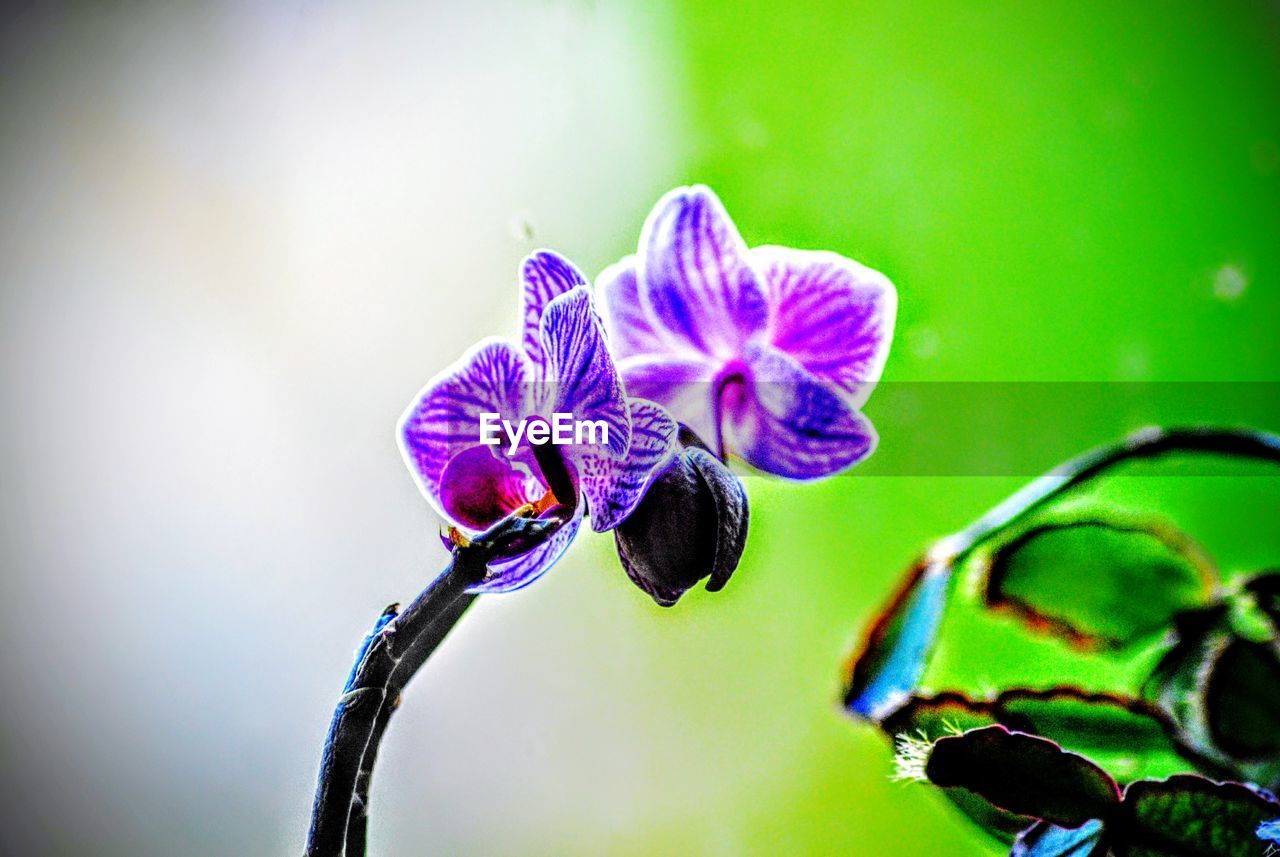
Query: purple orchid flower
(561, 367)
(766, 352)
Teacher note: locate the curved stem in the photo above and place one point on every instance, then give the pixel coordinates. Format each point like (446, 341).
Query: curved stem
(363, 697)
(390, 655)
(410, 663)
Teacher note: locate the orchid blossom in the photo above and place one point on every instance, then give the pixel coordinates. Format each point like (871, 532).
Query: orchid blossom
(768, 352)
(560, 367)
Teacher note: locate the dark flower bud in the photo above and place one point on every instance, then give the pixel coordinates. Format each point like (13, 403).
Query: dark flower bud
(691, 524)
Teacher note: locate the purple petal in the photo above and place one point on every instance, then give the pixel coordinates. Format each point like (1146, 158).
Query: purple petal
(478, 489)
(614, 488)
(784, 421)
(830, 313)
(681, 385)
(526, 568)
(585, 382)
(695, 278)
(544, 276)
(443, 420)
(631, 331)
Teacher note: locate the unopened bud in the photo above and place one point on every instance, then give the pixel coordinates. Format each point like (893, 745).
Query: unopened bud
(691, 524)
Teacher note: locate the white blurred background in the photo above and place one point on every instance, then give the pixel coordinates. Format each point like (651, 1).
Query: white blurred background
(236, 239)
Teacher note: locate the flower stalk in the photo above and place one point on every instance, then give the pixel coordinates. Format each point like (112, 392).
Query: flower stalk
(388, 658)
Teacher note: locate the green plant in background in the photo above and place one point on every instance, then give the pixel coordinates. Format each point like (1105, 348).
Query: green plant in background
(1180, 763)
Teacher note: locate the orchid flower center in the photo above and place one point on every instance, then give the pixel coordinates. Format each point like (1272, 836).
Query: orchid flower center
(729, 395)
(479, 488)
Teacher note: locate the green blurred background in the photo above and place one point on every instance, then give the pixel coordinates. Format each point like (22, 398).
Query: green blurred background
(238, 237)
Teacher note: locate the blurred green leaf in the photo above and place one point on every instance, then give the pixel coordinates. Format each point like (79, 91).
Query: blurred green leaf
(1099, 577)
(1025, 775)
(931, 718)
(1189, 816)
(1264, 588)
(1176, 683)
(934, 717)
(889, 666)
(1242, 701)
(1129, 738)
(1001, 824)
(1221, 692)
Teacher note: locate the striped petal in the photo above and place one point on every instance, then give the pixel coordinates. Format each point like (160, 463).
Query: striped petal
(443, 420)
(583, 380)
(831, 314)
(615, 488)
(681, 385)
(631, 331)
(544, 276)
(783, 420)
(694, 276)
